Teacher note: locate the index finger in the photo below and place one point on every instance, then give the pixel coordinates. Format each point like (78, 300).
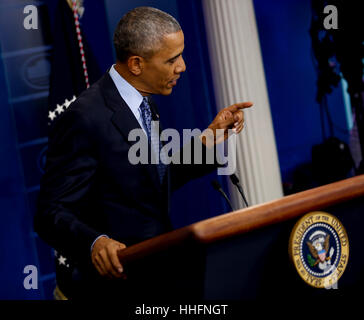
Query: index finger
(240, 105)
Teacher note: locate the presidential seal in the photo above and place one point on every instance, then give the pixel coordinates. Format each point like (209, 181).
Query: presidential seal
(319, 249)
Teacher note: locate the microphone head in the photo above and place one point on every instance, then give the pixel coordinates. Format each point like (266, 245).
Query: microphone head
(234, 179)
(215, 184)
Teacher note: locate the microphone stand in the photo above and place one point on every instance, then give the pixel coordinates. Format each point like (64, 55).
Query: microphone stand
(216, 185)
(235, 180)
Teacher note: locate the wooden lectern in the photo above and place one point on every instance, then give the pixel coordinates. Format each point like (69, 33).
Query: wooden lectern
(244, 254)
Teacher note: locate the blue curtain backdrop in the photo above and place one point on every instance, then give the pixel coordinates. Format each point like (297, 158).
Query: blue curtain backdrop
(290, 73)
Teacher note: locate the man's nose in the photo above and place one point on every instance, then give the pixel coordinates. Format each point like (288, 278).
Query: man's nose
(181, 66)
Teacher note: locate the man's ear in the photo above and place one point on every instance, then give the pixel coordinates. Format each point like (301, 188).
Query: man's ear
(135, 65)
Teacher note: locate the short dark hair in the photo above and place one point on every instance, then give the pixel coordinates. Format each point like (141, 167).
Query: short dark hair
(140, 32)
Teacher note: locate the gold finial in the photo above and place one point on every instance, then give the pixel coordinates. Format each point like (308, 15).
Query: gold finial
(79, 6)
(70, 3)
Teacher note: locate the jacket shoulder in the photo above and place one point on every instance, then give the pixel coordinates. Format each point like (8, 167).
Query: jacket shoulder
(90, 106)
(90, 101)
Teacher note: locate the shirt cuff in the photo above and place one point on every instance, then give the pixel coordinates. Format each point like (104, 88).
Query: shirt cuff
(93, 243)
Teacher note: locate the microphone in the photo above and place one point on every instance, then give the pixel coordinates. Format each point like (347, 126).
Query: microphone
(216, 185)
(235, 180)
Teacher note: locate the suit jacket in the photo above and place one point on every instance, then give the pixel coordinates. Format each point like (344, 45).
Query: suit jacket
(90, 188)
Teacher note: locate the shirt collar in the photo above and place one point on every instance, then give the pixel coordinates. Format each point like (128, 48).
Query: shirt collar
(131, 96)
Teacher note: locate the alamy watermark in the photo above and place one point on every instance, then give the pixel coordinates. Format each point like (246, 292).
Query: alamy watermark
(180, 150)
(31, 280)
(331, 20)
(31, 20)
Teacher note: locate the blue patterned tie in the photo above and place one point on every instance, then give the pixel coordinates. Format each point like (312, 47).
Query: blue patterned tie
(153, 138)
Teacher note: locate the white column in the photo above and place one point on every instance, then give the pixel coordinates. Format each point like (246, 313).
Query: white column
(238, 76)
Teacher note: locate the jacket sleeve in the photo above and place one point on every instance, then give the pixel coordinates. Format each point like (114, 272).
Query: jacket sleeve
(69, 172)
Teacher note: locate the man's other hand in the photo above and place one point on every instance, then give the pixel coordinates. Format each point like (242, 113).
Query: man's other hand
(105, 259)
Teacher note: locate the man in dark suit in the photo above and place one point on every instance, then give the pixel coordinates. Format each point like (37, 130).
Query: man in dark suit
(93, 201)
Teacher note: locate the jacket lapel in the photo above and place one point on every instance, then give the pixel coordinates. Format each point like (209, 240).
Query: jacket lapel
(123, 118)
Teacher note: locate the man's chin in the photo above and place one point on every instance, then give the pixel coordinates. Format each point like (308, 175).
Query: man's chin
(166, 92)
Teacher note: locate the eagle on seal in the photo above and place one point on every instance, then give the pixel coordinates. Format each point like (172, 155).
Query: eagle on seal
(319, 249)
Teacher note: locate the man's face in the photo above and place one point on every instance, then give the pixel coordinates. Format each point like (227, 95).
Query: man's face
(162, 70)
